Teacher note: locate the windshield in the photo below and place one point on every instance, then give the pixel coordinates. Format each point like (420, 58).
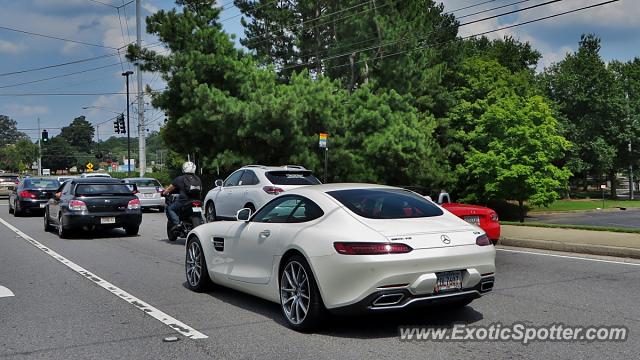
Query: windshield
(102, 189)
(292, 178)
(146, 182)
(386, 203)
(41, 184)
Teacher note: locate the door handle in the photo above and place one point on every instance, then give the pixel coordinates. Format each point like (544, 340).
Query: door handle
(265, 234)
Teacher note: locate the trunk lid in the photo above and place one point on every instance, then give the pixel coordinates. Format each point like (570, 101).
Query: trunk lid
(106, 203)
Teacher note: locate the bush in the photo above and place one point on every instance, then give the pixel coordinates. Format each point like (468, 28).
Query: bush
(507, 211)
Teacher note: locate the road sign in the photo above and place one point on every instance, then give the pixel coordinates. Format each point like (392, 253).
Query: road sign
(603, 186)
(323, 140)
(46, 172)
(89, 167)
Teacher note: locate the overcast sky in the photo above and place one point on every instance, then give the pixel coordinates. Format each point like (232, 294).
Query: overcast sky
(90, 22)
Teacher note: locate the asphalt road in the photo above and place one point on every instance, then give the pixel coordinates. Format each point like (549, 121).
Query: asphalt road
(57, 313)
(617, 218)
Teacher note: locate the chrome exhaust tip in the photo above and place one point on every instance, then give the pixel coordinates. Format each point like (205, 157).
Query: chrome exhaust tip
(486, 286)
(388, 299)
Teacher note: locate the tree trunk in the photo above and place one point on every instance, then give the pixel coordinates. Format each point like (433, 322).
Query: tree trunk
(614, 184)
(521, 207)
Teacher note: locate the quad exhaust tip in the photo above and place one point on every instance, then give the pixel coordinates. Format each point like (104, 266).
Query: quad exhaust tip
(388, 299)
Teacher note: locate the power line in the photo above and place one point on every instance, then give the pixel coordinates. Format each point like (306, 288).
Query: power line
(56, 38)
(102, 3)
(255, 8)
(58, 76)
(58, 65)
(492, 9)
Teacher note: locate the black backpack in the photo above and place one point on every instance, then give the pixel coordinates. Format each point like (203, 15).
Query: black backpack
(192, 186)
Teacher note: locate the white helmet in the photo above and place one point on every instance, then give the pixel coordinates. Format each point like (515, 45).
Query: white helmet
(189, 168)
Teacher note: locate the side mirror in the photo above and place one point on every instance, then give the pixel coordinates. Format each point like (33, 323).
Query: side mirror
(243, 214)
(218, 183)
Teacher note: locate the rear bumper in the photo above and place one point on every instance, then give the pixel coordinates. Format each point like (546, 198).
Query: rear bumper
(81, 220)
(152, 202)
(493, 230)
(30, 204)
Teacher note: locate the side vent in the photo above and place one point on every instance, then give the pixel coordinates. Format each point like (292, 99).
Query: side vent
(218, 243)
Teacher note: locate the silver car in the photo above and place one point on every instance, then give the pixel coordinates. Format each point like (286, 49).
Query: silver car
(8, 181)
(149, 192)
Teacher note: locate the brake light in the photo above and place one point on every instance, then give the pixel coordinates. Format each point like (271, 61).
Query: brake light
(77, 205)
(483, 240)
(196, 203)
(273, 190)
(358, 248)
(494, 217)
(25, 194)
(158, 189)
(133, 204)
(17, 181)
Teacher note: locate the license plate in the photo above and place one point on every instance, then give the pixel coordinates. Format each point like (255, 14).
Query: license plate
(148, 195)
(107, 220)
(43, 205)
(475, 219)
(196, 209)
(450, 280)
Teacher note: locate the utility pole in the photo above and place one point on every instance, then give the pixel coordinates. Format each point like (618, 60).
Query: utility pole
(142, 131)
(39, 149)
(630, 173)
(126, 74)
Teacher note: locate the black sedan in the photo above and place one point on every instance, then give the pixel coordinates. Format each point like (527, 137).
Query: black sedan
(93, 203)
(31, 194)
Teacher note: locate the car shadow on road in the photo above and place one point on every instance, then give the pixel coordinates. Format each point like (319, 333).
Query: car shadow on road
(367, 326)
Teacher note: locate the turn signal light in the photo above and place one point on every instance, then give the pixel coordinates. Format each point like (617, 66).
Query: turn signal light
(358, 248)
(27, 195)
(77, 205)
(483, 240)
(133, 204)
(272, 190)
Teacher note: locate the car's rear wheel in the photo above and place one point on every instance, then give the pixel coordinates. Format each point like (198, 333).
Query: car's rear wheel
(171, 234)
(47, 224)
(62, 232)
(16, 209)
(196, 221)
(132, 230)
(196, 267)
(300, 298)
(10, 208)
(210, 212)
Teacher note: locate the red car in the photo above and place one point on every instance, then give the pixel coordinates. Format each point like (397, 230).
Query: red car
(484, 217)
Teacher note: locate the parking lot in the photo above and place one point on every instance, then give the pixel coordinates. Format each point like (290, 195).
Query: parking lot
(629, 218)
(60, 312)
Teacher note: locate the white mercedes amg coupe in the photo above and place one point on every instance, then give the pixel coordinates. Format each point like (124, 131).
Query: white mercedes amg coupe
(344, 248)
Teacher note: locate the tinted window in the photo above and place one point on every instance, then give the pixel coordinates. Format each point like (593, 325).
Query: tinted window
(291, 209)
(50, 184)
(249, 178)
(102, 189)
(233, 179)
(146, 182)
(288, 177)
(386, 203)
(8, 179)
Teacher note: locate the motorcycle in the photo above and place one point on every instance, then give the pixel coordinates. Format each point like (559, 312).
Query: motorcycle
(190, 217)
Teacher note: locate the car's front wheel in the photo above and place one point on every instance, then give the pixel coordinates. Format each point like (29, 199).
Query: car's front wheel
(196, 267)
(300, 298)
(210, 212)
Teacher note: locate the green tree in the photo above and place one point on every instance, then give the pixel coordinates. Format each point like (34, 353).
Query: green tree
(58, 154)
(18, 157)
(79, 134)
(9, 133)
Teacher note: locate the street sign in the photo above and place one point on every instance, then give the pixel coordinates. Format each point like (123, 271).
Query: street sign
(603, 186)
(46, 172)
(323, 140)
(89, 167)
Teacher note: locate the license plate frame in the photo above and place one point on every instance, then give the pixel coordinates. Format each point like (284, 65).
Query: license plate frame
(472, 219)
(196, 209)
(448, 281)
(108, 220)
(147, 196)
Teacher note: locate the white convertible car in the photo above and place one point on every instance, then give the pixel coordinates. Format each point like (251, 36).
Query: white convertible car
(344, 248)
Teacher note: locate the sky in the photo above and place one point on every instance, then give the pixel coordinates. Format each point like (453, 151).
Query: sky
(99, 29)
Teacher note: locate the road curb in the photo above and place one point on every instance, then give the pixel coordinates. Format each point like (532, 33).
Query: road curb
(603, 250)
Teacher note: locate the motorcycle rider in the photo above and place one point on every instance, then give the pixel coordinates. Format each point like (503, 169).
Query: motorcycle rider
(188, 186)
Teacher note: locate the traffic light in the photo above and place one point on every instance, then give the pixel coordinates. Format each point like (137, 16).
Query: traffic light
(116, 125)
(123, 128)
(45, 136)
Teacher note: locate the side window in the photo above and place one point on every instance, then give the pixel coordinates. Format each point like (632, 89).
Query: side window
(249, 178)
(306, 210)
(233, 179)
(64, 188)
(278, 210)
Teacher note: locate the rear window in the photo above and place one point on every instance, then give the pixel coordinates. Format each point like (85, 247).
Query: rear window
(386, 203)
(102, 189)
(41, 184)
(146, 183)
(8, 178)
(292, 178)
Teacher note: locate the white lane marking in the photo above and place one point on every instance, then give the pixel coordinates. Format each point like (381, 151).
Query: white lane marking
(5, 292)
(173, 323)
(570, 257)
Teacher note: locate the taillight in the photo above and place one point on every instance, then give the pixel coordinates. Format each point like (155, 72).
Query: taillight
(25, 194)
(77, 205)
(494, 217)
(273, 190)
(483, 240)
(196, 203)
(133, 204)
(358, 248)
(158, 189)
(17, 181)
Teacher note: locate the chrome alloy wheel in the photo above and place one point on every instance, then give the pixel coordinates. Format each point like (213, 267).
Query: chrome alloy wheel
(194, 264)
(294, 292)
